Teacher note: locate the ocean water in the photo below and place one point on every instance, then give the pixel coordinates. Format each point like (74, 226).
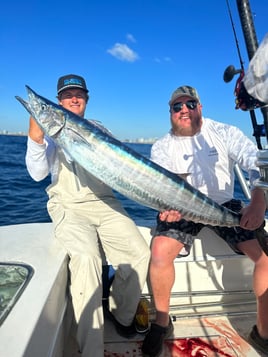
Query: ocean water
(24, 200)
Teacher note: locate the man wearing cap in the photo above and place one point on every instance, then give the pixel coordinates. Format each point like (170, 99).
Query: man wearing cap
(206, 150)
(92, 226)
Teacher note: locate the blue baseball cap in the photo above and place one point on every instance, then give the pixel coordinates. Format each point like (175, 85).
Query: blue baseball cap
(71, 81)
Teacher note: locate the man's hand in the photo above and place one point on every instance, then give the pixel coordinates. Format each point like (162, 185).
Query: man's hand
(35, 132)
(253, 214)
(170, 216)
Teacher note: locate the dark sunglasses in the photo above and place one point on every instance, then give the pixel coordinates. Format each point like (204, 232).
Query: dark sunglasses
(190, 104)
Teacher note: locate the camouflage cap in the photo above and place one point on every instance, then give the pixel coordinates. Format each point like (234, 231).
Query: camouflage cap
(184, 91)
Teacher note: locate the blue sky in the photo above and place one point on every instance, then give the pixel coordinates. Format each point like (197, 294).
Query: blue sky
(133, 54)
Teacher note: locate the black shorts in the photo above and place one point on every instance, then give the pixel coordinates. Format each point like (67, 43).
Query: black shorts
(186, 231)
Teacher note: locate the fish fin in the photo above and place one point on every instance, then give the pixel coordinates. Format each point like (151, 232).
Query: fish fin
(100, 126)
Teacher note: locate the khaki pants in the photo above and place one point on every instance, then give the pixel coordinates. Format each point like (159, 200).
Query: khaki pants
(85, 229)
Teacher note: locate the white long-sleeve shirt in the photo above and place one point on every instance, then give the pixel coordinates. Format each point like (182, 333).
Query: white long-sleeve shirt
(42, 159)
(48, 158)
(208, 157)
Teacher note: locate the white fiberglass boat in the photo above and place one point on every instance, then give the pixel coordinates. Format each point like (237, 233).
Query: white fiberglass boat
(212, 305)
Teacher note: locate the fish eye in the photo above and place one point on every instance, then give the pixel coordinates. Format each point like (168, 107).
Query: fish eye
(43, 106)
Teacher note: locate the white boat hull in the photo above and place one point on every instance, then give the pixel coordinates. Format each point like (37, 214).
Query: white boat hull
(35, 325)
(212, 305)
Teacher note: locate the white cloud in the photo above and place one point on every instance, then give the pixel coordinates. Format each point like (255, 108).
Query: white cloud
(123, 52)
(131, 38)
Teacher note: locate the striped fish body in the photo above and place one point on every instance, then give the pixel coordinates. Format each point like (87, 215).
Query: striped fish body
(122, 168)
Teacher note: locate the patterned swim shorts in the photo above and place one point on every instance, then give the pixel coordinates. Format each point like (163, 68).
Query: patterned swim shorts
(186, 231)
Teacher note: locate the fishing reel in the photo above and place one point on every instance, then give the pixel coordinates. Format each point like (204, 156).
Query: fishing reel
(230, 72)
(243, 100)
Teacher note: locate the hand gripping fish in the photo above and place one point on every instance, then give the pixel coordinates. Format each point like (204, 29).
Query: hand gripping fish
(122, 168)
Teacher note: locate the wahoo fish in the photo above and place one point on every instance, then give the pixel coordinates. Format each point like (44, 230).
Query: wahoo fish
(123, 169)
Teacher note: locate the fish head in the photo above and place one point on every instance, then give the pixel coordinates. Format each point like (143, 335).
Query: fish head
(48, 115)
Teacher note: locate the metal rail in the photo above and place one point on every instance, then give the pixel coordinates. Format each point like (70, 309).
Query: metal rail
(240, 302)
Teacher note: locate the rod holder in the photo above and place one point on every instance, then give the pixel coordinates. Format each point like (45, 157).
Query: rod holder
(262, 163)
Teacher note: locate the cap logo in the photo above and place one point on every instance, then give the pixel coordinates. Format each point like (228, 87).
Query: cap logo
(72, 81)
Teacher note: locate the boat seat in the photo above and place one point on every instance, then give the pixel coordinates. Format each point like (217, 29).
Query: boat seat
(211, 280)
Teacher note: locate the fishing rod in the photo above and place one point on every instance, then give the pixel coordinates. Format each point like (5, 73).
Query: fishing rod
(243, 100)
(250, 37)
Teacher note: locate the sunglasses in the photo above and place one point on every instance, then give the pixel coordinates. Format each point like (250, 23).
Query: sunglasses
(190, 104)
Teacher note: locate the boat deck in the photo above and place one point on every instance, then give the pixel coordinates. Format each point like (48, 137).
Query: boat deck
(212, 305)
(206, 336)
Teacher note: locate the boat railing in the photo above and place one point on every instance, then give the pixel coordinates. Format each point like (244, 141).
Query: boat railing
(244, 184)
(196, 304)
